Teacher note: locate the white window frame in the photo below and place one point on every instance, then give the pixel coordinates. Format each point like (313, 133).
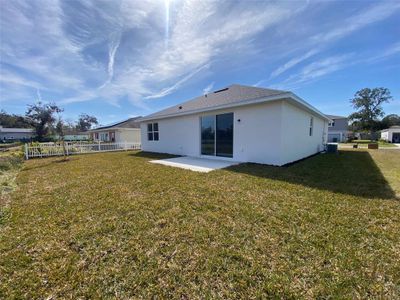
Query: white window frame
(311, 128)
(103, 136)
(152, 131)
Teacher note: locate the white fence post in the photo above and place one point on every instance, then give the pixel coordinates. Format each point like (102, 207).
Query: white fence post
(99, 146)
(26, 151)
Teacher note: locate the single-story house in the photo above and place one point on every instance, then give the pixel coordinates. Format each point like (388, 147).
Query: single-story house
(238, 123)
(16, 134)
(74, 136)
(391, 135)
(338, 129)
(127, 131)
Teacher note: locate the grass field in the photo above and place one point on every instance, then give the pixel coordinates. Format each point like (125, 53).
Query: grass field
(112, 225)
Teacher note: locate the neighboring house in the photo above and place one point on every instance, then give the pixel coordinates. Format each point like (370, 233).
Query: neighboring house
(238, 123)
(77, 137)
(338, 129)
(74, 136)
(16, 134)
(127, 131)
(391, 135)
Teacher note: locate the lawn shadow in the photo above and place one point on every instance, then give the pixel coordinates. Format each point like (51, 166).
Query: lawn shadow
(152, 155)
(349, 172)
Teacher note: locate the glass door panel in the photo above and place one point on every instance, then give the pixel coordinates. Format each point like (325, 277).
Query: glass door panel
(208, 135)
(224, 136)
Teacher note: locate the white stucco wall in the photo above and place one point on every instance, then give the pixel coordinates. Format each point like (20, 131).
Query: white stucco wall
(257, 136)
(297, 142)
(385, 136)
(178, 135)
(388, 134)
(129, 135)
(265, 134)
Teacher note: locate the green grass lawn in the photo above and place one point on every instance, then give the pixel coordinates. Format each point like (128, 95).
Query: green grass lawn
(113, 225)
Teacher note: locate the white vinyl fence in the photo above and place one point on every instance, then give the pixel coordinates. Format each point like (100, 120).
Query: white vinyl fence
(56, 149)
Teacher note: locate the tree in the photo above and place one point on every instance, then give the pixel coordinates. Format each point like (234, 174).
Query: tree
(60, 131)
(85, 122)
(390, 120)
(42, 117)
(13, 121)
(368, 103)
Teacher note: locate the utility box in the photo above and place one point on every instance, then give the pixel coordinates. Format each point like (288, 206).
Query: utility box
(332, 148)
(373, 146)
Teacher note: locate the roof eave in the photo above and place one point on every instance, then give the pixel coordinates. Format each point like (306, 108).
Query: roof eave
(281, 96)
(111, 128)
(237, 104)
(310, 107)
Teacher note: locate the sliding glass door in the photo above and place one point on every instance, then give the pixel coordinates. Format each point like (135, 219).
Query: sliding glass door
(224, 136)
(217, 135)
(208, 135)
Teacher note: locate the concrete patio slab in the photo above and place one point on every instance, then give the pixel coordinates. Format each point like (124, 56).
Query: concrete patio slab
(196, 164)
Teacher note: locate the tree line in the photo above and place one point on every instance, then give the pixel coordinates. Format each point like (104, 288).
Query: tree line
(46, 120)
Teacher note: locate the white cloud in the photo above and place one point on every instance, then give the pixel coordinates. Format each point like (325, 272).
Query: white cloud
(11, 78)
(72, 48)
(195, 41)
(39, 96)
(293, 62)
(322, 67)
(111, 58)
(374, 13)
(68, 41)
(315, 70)
(208, 88)
(169, 90)
(327, 65)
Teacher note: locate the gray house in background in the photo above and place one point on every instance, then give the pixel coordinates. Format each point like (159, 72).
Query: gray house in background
(15, 134)
(338, 129)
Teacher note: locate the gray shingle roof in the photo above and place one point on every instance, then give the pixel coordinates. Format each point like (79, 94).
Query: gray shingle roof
(230, 95)
(129, 123)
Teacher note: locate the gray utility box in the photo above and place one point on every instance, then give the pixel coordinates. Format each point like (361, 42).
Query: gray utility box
(332, 148)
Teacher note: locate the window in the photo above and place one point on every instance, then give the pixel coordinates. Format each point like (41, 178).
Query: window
(104, 137)
(311, 126)
(152, 132)
(331, 124)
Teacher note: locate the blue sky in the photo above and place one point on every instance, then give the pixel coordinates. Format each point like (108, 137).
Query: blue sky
(116, 59)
